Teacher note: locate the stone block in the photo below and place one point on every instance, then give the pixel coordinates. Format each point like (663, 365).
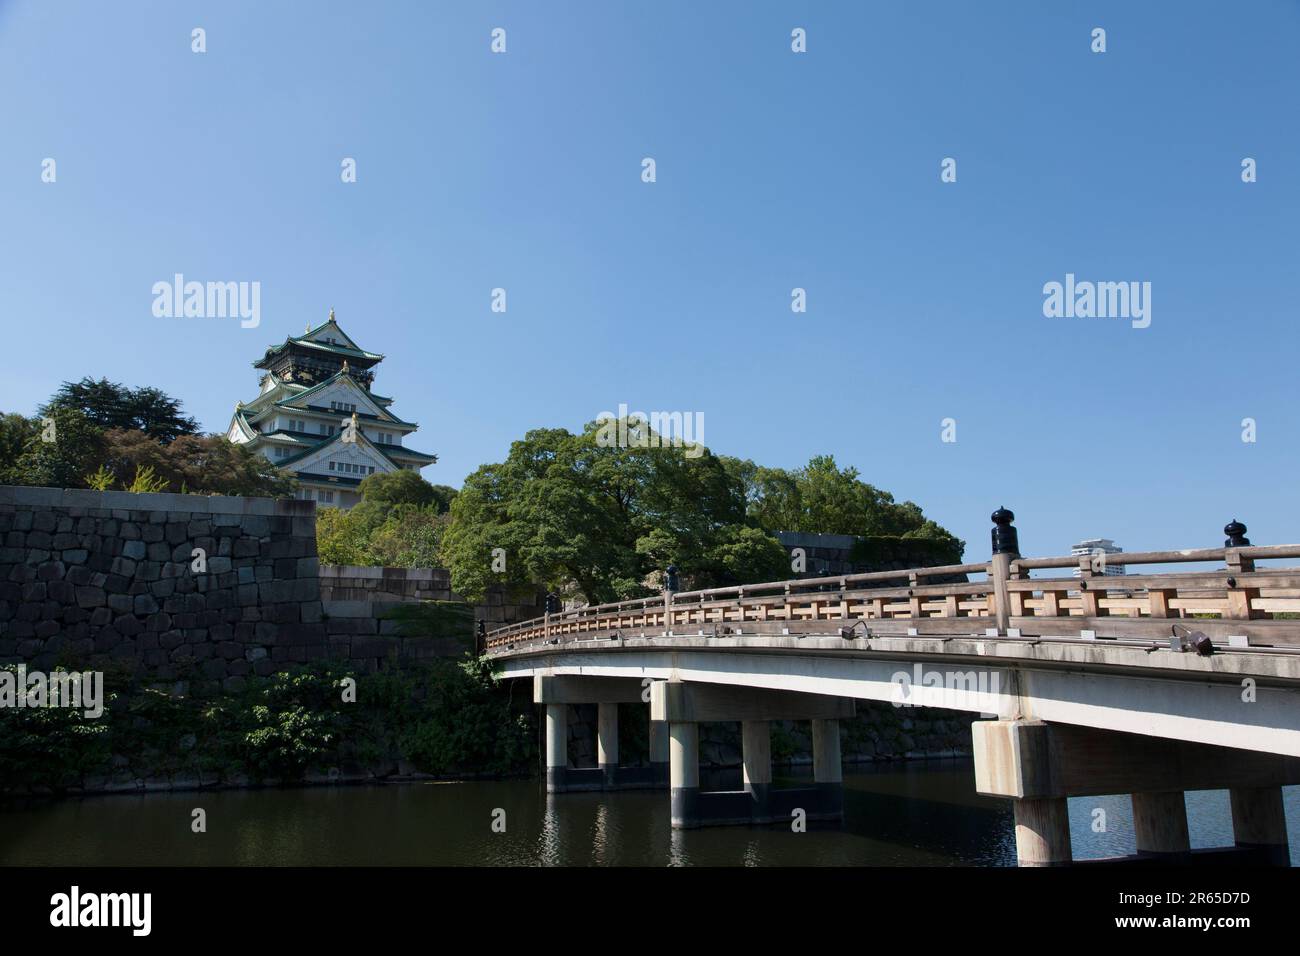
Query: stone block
(353, 625)
(91, 597)
(246, 548)
(286, 613)
(342, 609)
(275, 592)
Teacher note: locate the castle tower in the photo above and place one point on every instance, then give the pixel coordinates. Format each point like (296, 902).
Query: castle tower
(317, 418)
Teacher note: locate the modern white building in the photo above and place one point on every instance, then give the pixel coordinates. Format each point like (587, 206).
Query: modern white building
(1099, 547)
(317, 418)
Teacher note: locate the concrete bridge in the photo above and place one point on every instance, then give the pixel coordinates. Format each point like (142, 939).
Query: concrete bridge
(1149, 684)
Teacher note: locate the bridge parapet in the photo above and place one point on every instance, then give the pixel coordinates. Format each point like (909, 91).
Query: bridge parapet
(1235, 606)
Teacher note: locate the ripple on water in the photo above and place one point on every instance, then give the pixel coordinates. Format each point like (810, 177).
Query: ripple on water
(915, 814)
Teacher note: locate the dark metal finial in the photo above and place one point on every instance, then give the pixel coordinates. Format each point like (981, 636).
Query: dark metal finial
(671, 583)
(1005, 538)
(1236, 532)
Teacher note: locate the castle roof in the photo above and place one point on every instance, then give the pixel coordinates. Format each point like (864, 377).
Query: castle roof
(328, 338)
(386, 450)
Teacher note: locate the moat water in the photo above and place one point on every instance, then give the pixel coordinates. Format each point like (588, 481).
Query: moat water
(918, 813)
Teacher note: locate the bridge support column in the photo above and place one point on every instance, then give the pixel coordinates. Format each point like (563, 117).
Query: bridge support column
(1160, 823)
(684, 772)
(685, 705)
(559, 691)
(557, 746)
(659, 752)
(1039, 765)
(1042, 832)
(756, 756)
(607, 742)
(828, 772)
(1259, 822)
(1013, 759)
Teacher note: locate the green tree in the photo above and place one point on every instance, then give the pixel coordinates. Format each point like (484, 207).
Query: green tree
(74, 452)
(600, 521)
(200, 464)
(339, 538)
(822, 498)
(110, 405)
(405, 488)
(211, 464)
(409, 537)
(16, 431)
(399, 522)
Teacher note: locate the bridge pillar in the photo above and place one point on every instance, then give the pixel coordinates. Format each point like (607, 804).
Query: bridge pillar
(756, 757)
(1259, 822)
(563, 690)
(684, 772)
(1039, 765)
(1013, 758)
(659, 752)
(1042, 832)
(607, 742)
(828, 772)
(1160, 823)
(557, 746)
(686, 704)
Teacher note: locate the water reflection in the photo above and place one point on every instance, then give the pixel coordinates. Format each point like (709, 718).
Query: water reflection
(919, 814)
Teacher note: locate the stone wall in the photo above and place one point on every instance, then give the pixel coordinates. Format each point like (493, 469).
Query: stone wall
(825, 554)
(831, 554)
(94, 579)
(345, 582)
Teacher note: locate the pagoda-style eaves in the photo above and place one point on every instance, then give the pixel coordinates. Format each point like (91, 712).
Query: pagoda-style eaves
(358, 357)
(311, 381)
(317, 355)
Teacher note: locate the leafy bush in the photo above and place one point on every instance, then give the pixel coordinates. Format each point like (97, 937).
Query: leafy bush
(443, 716)
(467, 724)
(49, 747)
(292, 722)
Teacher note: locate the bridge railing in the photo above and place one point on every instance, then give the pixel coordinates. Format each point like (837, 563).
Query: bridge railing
(1234, 605)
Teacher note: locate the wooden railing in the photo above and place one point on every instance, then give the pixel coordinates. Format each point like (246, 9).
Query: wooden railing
(1235, 605)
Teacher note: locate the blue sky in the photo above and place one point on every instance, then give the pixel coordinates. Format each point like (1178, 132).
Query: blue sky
(775, 170)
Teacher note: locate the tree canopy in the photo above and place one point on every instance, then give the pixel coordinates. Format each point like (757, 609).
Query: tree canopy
(110, 405)
(101, 433)
(602, 523)
(201, 464)
(823, 498)
(58, 449)
(399, 522)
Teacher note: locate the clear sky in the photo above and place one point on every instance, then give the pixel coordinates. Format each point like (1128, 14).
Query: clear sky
(775, 170)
